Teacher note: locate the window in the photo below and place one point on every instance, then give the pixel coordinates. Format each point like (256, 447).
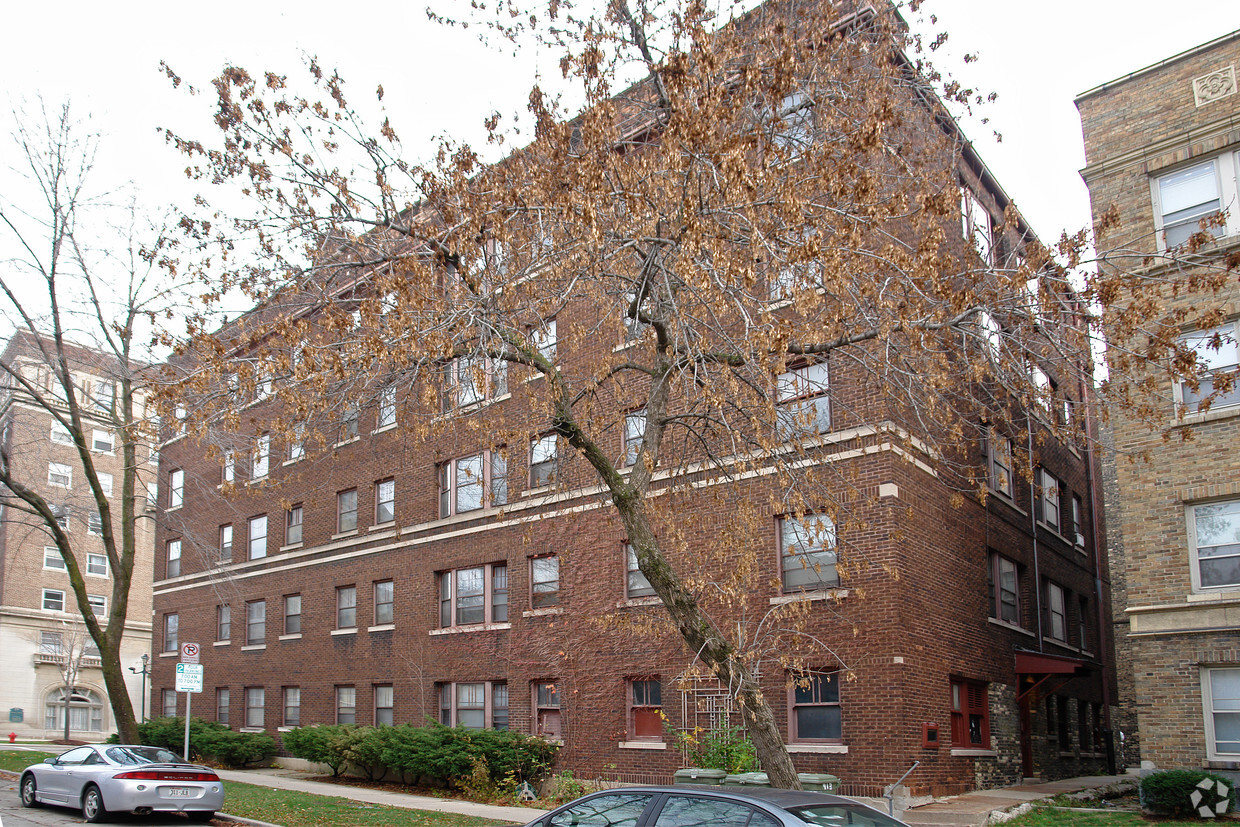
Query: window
(348, 425)
(970, 714)
(255, 622)
(472, 596)
(1043, 388)
(1214, 540)
(794, 125)
(480, 705)
(976, 224)
(1000, 464)
(292, 614)
(346, 607)
(292, 525)
(170, 703)
(544, 581)
(1183, 198)
(1004, 589)
(94, 523)
(297, 445)
(171, 624)
(1082, 623)
(292, 706)
(632, 311)
(795, 269)
(255, 706)
(645, 709)
(102, 441)
(97, 564)
(59, 475)
(61, 435)
(547, 720)
(1220, 696)
(634, 433)
(384, 703)
(992, 335)
(223, 699)
(692, 809)
(52, 558)
(261, 459)
(51, 643)
(61, 513)
(816, 714)
(174, 558)
(223, 622)
(635, 583)
(226, 540)
(471, 379)
(228, 472)
(105, 484)
(807, 553)
(385, 596)
(544, 340)
(1218, 352)
(1048, 499)
(98, 605)
(1061, 718)
(1078, 521)
(387, 407)
(53, 600)
(543, 461)
(176, 488)
(473, 482)
(619, 809)
(263, 385)
(385, 502)
(258, 537)
(1056, 613)
(804, 408)
(346, 705)
(346, 511)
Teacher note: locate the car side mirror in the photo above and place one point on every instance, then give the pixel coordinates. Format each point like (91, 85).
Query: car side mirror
(51, 760)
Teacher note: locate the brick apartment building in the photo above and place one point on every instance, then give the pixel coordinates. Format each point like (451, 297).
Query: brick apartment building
(40, 627)
(390, 577)
(1163, 148)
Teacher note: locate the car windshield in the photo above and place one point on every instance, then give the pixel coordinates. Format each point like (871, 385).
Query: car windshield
(143, 755)
(839, 815)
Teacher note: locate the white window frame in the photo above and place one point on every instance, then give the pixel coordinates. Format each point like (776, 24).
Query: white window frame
(1226, 359)
(105, 483)
(174, 559)
(297, 446)
(253, 551)
(229, 471)
(51, 597)
(1224, 168)
(96, 564)
(102, 441)
(818, 540)
(53, 553)
(803, 399)
(1221, 507)
(60, 434)
(977, 225)
(460, 379)
(492, 487)
(98, 604)
(176, 488)
(1211, 706)
(94, 524)
(385, 501)
(634, 435)
(59, 475)
(999, 475)
(1049, 489)
(387, 407)
(260, 464)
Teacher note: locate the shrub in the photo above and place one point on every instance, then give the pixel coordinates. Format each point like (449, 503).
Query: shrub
(1170, 792)
(322, 744)
(235, 749)
(169, 733)
(564, 787)
(363, 748)
(728, 749)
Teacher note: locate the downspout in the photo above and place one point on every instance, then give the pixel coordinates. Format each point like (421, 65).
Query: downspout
(1033, 529)
(1090, 457)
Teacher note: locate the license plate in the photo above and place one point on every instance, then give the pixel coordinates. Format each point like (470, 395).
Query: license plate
(179, 792)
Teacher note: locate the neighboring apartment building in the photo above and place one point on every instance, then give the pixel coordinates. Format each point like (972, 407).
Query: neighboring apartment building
(387, 578)
(1163, 148)
(42, 634)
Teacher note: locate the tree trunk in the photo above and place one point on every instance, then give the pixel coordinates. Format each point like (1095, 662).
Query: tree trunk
(118, 694)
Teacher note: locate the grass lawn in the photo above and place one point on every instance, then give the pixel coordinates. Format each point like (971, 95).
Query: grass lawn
(18, 759)
(1075, 817)
(297, 809)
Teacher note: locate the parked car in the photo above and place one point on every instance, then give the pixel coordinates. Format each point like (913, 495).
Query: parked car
(108, 778)
(692, 806)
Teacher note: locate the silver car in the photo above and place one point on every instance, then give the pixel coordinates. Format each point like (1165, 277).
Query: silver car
(106, 778)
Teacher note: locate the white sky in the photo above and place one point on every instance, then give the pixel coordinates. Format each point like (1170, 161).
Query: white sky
(105, 59)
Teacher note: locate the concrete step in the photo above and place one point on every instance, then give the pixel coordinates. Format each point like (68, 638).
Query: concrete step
(919, 817)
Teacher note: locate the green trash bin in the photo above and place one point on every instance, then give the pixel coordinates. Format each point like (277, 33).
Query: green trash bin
(748, 779)
(695, 775)
(819, 781)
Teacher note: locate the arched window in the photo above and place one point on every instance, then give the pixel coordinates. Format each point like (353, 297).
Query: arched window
(85, 711)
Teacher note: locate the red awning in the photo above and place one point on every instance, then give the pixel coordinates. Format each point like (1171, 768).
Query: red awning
(1040, 663)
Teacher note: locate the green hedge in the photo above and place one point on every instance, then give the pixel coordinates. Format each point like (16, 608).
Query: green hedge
(443, 754)
(208, 741)
(1170, 792)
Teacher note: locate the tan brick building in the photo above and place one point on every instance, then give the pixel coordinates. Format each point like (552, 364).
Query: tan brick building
(40, 627)
(1163, 149)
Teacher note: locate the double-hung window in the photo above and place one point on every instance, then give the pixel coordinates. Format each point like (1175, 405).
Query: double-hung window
(387, 407)
(807, 553)
(1056, 612)
(1214, 542)
(255, 706)
(970, 714)
(102, 441)
(292, 706)
(174, 558)
(105, 484)
(255, 622)
(258, 537)
(52, 558)
(1048, 499)
(226, 543)
(1220, 695)
(1000, 459)
(473, 482)
(223, 700)
(172, 623)
(634, 433)
(547, 717)
(804, 407)
(292, 614)
(1184, 197)
(471, 379)
(53, 600)
(346, 607)
(98, 604)
(544, 461)
(544, 340)
(635, 583)
(544, 581)
(384, 705)
(297, 443)
(228, 473)
(385, 501)
(645, 708)
(223, 622)
(1218, 353)
(59, 475)
(473, 596)
(261, 460)
(176, 488)
(815, 708)
(1004, 589)
(346, 511)
(346, 704)
(474, 705)
(292, 525)
(976, 225)
(384, 602)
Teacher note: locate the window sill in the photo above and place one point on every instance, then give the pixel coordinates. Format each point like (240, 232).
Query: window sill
(342, 534)
(821, 749)
(251, 729)
(960, 752)
(382, 627)
(472, 407)
(169, 509)
(222, 643)
(546, 611)
(1004, 624)
(286, 728)
(381, 526)
(293, 461)
(291, 546)
(254, 647)
(538, 490)
(168, 654)
(641, 745)
(294, 636)
(636, 602)
(383, 429)
(476, 627)
(339, 632)
(345, 442)
(1226, 594)
(818, 594)
(1212, 415)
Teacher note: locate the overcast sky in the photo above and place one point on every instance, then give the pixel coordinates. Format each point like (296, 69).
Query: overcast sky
(105, 59)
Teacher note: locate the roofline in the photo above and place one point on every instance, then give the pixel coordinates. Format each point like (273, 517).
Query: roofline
(1153, 66)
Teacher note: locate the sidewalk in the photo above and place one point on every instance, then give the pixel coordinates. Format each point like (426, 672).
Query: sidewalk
(975, 809)
(294, 780)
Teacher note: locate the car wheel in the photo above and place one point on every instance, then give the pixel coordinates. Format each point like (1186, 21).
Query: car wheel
(92, 805)
(29, 791)
(200, 815)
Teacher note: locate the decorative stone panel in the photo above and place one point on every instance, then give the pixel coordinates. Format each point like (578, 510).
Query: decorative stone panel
(1214, 86)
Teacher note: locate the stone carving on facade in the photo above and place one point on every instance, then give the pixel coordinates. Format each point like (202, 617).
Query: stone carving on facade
(1215, 86)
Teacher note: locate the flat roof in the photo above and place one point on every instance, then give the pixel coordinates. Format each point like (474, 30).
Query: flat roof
(1153, 66)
